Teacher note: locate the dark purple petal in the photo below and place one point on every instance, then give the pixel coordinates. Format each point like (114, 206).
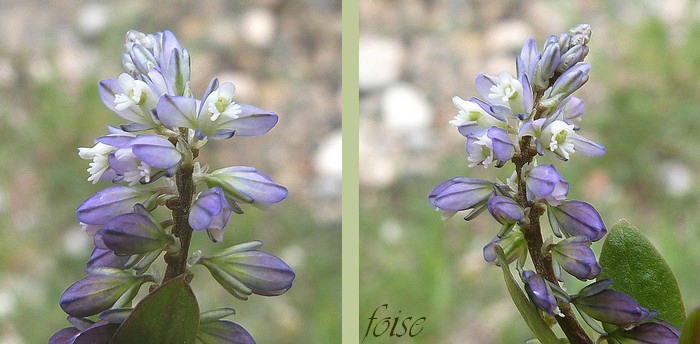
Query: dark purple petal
(613, 307)
(223, 331)
(176, 111)
(106, 258)
(548, 63)
(571, 80)
(155, 151)
(577, 218)
(99, 333)
(247, 185)
(63, 336)
(460, 193)
(575, 255)
(539, 292)
(109, 202)
(96, 292)
(133, 233)
(251, 121)
(655, 332)
(505, 210)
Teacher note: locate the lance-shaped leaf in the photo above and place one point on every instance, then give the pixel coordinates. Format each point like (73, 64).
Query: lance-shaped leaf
(243, 273)
(639, 270)
(134, 233)
(98, 291)
(223, 332)
(169, 314)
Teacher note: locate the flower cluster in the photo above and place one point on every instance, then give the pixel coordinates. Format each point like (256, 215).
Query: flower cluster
(150, 162)
(517, 119)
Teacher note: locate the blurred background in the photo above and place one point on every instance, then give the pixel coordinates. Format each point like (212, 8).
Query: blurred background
(283, 56)
(641, 103)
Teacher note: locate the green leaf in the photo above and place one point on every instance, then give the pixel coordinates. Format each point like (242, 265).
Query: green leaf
(527, 310)
(639, 270)
(691, 329)
(169, 314)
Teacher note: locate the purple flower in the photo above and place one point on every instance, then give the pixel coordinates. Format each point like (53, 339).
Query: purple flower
(223, 331)
(211, 212)
(610, 306)
(491, 145)
(242, 270)
(576, 218)
(109, 202)
(475, 115)
(248, 185)
(143, 159)
(160, 51)
(99, 290)
(134, 233)
(101, 257)
(656, 332)
(539, 292)
(218, 116)
(505, 210)
(526, 62)
(544, 181)
(513, 244)
(559, 137)
(503, 91)
(460, 193)
(131, 99)
(575, 255)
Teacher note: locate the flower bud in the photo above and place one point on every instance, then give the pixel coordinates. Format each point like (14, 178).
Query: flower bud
(134, 233)
(543, 181)
(610, 306)
(576, 218)
(460, 193)
(657, 332)
(575, 255)
(513, 244)
(505, 210)
(566, 84)
(109, 202)
(548, 64)
(540, 293)
(248, 185)
(247, 271)
(223, 331)
(98, 291)
(210, 212)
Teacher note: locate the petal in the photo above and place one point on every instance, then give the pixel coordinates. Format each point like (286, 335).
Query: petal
(108, 88)
(502, 147)
(133, 233)
(251, 121)
(246, 184)
(155, 151)
(263, 273)
(586, 146)
(541, 181)
(176, 111)
(579, 218)
(96, 292)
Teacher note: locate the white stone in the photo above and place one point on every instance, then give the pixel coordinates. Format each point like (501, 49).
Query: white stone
(380, 61)
(258, 27)
(405, 110)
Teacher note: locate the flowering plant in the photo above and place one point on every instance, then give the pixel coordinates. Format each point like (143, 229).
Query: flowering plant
(150, 162)
(536, 113)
